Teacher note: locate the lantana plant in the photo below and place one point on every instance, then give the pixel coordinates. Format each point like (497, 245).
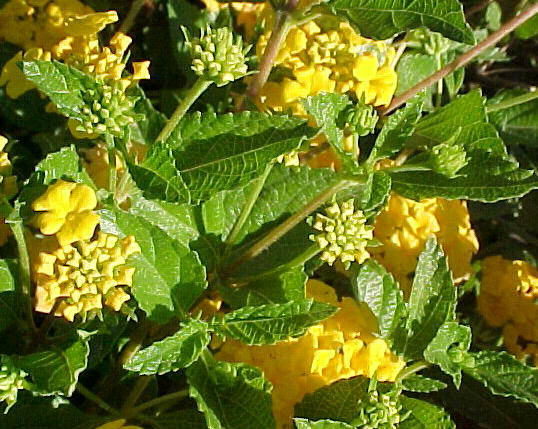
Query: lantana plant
(310, 214)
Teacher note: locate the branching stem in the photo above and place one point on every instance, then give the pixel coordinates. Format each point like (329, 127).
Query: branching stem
(128, 22)
(463, 59)
(88, 394)
(176, 396)
(412, 369)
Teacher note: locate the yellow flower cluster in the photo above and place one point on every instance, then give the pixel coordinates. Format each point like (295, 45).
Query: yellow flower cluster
(343, 346)
(117, 424)
(404, 226)
(83, 276)
(327, 56)
(68, 212)
(246, 13)
(508, 299)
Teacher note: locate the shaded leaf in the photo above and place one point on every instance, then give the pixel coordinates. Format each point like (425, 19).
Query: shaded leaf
(320, 424)
(419, 383)
(424, 415)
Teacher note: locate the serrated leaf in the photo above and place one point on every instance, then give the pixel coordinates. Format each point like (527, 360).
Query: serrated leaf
(382, 19)
(270, 289)
(63, 84)
(270, 323)
(172, 353)
(432, 302)
(56, 371)
(450, 334)
(224, 152)
(424, 415)
(373, 285)
(320, 424)
(338, 401)
(145, 130)
(504, 375)
(231, 395)
(413, 67)
(168, 277)
(419, 383)
(517, 125)
(105, 335)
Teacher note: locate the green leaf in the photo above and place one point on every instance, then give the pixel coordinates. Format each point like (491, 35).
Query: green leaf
(517, 125)
(267, 324)
(269, 289)
(211, 153)
(337, 401)
(494, 16)
(56, 371)
(63, 84)
(490, 174)
(7, 281)
(320, 424)
(169, 277)
(450, 336)
(528, 29)
(378, 289)
(397, 130)
(424, 415)
(382, 19)
(419, 383)
(432, 302)
(146, 130)
(413, 67)
(504, 375)
(177, 351)
(231, 395)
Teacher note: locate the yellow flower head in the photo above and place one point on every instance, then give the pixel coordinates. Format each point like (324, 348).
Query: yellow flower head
(328, 56)
(96, 164)
(117, 424)
(508, 299)
(343, 234)
(343, 346)
(246, 13)
(82, 277)
(68, 212)
(8, 182)
(404, 226)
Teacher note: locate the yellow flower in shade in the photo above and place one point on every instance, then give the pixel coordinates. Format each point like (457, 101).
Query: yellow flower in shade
(8, 182)
(325, 55)
(84, 276)
(404, 226)
(246, 14)
(68, 212)
(343, 346)
(117, 424)
(96, 164)
(508, 299)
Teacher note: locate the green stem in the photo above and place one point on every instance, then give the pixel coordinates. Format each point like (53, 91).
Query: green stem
(138, 389)
(525, 98)
(130, 19)
(439, 97)
(96, 400)
(176, 396)
(276, 233)
(251, 200)
(112, 176)
(405, 168)
(190, 97)
(412, 369)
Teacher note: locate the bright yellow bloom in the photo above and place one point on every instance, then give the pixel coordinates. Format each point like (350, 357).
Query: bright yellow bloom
(343, 346)
(117, 424)
(404, 226)
(508, 299)
(68, 211)
(84, 276)
(324, 55)
(96, 164)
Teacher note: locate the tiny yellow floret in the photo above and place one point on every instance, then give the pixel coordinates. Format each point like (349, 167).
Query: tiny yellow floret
(117, 424)
(68, 212)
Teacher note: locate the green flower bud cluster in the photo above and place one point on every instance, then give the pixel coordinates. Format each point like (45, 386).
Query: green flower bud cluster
(343, 234)
(11, 381)
(108, 110)
(217, 55)
(361, 119)
(380, 411)
(448, 159)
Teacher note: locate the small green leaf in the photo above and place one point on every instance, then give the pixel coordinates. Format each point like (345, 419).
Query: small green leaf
(419, 383)
(320, 424)
(56, 371)
(504, 375)
(378, 289)
(432, 302)
(338, 401)
(169, 276)
(413, 67)
(494, 16)
(63, 84)
(146, 130)
(424, 415)
(231, 395)
(7, 281)
(451, 337)
(528, 29)
(267, 324)
(177, 351)
(382, 19)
